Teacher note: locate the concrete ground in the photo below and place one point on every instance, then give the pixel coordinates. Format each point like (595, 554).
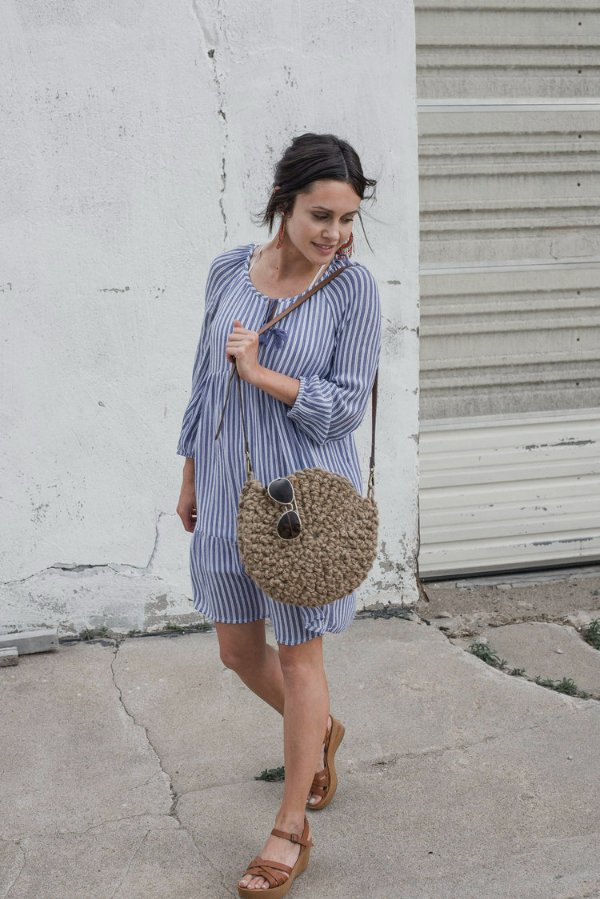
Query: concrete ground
(127, 769)
(532, 621)
(567, 595)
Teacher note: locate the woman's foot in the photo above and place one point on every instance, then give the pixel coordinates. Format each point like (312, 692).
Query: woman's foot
(315, 797)
(277, 849)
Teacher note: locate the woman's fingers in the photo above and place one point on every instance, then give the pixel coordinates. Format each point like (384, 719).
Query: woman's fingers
(239, 339)
(188, 519)
(186, 506)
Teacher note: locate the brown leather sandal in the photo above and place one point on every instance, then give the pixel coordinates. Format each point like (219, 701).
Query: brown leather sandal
(325, 781)
(278, 875)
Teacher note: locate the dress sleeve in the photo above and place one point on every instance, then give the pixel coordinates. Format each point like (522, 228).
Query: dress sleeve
(189, 425)
(332, 407)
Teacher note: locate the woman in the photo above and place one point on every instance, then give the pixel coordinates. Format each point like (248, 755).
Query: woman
(306, 388)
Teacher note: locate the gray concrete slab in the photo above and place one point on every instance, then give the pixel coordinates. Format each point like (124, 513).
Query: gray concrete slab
(379, 685)
(458, 823)
(547, 650)
(198, 713)
(72, 757)
(9, 656)
(456, 780)
(134, 858)
(561, 595)
(36, 640)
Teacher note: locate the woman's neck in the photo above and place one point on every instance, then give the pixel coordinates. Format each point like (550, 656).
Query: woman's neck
(287, 263)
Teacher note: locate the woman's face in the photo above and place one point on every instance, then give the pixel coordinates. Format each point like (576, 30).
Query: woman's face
(321, 219)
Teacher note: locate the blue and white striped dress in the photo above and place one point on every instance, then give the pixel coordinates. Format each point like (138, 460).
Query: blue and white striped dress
(331, 343)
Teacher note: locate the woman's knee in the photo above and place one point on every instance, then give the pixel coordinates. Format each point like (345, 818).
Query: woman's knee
(241, 658)
(303, 660)
(241, 646)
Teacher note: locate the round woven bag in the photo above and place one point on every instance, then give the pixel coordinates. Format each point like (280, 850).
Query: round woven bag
(334, 551)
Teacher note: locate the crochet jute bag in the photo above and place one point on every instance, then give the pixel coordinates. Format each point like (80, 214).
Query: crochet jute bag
(337, 542)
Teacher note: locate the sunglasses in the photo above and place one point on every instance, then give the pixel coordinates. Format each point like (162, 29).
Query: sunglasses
(281, 491)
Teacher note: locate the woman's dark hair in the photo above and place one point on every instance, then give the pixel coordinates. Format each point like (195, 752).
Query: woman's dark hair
(314, 157)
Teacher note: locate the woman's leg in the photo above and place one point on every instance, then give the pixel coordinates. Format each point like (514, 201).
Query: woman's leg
(304, 723)
(244, 649)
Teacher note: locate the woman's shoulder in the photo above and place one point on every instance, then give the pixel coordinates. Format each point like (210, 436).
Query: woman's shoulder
(357, 279)
(231, 259)
(225, 268)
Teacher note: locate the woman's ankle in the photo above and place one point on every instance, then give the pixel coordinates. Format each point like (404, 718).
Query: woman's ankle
(290, 823)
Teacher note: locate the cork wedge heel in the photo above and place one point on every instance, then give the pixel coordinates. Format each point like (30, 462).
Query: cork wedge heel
(325, 781)
(279, 876)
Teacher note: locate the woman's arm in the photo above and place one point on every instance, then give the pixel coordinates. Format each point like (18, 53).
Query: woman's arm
(242, 344)
(325, 408)
(189, 424)
(331, 408)
(275, 383)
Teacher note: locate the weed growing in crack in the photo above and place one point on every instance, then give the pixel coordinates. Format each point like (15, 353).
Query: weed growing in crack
(173, 626)
(591, 633)
(566, 685)
(487, 655)
(272, 774)
(92, 633)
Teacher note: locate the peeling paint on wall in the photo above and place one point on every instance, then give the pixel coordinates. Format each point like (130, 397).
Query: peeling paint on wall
(127, 168)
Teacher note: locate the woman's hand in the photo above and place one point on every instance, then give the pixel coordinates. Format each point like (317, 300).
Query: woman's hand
(186, 507)
(242, 345)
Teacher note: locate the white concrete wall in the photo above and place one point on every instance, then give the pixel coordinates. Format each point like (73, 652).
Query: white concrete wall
(137, 139)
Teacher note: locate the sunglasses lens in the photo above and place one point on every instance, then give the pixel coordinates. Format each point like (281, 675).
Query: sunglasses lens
(288, 525)
(281, 490)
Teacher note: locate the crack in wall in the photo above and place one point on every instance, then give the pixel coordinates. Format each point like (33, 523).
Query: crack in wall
(117, 567)
(148, 565)
(212, 43)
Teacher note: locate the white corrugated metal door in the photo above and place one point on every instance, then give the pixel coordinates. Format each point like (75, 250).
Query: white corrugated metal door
(509, 141)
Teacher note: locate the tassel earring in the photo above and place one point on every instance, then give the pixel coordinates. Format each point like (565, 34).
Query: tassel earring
(346, 248)
(280, 234)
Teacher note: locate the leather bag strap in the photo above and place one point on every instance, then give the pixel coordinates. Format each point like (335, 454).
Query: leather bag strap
(234, 371)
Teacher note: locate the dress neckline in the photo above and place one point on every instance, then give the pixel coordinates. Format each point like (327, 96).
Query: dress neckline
(263, 296)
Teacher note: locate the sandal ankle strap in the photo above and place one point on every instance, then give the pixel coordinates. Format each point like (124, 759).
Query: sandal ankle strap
(302, 838)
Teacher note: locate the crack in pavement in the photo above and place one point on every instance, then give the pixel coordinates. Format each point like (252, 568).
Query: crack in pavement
(21, 869)
(131, 861)
(506, 670)
(397, 757)
(174, 795)
(79, 833)
(144, 728)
